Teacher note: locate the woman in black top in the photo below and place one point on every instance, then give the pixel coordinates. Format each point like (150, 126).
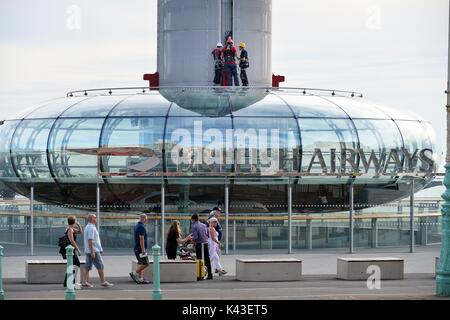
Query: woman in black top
(72, 230)
(173, 239)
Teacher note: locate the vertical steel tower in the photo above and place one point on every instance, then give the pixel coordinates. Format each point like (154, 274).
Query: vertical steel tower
(188, 31)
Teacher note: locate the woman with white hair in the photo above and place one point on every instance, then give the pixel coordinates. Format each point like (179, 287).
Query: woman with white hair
(214, 244)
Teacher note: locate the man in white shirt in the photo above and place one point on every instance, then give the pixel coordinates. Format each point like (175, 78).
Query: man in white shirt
(93, 249)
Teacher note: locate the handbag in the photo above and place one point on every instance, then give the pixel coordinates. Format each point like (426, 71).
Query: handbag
(244, 64)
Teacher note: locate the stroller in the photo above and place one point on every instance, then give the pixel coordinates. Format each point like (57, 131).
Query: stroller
(187, 251)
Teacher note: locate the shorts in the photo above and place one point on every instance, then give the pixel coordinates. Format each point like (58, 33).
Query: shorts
(98, 261)
(141, 261)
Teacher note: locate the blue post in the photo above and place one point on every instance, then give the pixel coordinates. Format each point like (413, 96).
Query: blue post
(2, 294)
(156, 293)
(70, 291)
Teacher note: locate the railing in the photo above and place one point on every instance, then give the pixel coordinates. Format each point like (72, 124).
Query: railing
(144, 90)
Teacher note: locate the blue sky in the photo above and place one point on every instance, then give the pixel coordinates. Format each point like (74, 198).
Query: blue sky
(395, 52)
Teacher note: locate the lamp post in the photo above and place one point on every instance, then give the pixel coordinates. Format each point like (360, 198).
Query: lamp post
(443, 268)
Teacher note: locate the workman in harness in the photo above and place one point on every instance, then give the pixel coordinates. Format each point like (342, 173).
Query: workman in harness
(229, 57)
(243, 63)
(218, 63)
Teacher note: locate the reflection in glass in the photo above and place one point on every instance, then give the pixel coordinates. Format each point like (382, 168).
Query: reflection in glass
(330, 136)
(29, 148)
(145, 138)
(70, 147)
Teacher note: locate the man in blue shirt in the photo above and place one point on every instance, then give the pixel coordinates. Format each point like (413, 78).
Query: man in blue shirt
(93, 249)
(200, 235)
(140, 250)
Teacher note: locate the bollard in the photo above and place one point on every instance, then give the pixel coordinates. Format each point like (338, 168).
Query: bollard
(2, 294)
(70, 291)
(156, 293)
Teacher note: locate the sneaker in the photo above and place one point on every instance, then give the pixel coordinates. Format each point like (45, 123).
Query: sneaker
(222, 272)
(134, 277)
(77, 286)
(106, 284)
(144, 282)
(87, 285)
(217, 271)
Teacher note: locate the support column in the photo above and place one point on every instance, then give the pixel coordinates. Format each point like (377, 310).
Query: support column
(98, 206)
(351, 222)
(443, 268)
(423, 227)
(411, 218)
(289, 218)
(32, 220)
(226, 217)
(163, 215)
(309, 232)
(374, 240)
(234, 236)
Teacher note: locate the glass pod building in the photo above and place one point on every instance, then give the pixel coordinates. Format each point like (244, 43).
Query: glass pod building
(195, 141)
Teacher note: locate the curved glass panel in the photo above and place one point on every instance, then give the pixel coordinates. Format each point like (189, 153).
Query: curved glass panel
(134, 145)
(177, 111)
(357, 108)
(55, 108)
(266, 145)
(29, 148)
(377, 138)
(416, 139)
(312, 106)
(320, 137)
(6, 133)
(199, 145)
(397, 114)
(270, 106)
(98, 106)
(204, 103)
(22, 114)
(148, 105)
(73, 147)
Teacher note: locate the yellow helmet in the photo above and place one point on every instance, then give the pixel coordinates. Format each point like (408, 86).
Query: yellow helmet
(242, 45)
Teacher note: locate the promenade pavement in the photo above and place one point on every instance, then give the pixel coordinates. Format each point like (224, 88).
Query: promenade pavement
(318, 282)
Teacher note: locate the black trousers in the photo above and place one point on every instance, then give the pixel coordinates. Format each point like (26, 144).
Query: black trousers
(218, 76)
(198, 252)
(76, 262)
(244, 78)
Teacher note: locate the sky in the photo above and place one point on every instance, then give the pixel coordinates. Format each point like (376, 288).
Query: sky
(395, 52)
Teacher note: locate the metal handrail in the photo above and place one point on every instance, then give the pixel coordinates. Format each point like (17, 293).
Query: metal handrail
(144, 90)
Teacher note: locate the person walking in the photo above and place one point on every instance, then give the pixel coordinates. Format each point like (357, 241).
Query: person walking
(229, 57)
(214, 245)
(218, 63)
(215, 213)
(174, 239)
(140, 250)
(73, 228)
(200, 235)
(243, 64)
(93, 249)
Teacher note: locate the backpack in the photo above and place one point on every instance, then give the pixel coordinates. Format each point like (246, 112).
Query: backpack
(63, 242)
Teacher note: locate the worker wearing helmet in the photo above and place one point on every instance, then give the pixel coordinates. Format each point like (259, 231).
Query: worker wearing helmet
(229, 56)
(218, 63)
(243, 63)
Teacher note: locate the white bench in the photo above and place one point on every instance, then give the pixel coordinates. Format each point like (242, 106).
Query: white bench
(356, 268)
(46, 271)
(171, 270)
(268, 269)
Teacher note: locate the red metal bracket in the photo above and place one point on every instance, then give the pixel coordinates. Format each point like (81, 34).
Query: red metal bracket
(276, 80)
(153, 79)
